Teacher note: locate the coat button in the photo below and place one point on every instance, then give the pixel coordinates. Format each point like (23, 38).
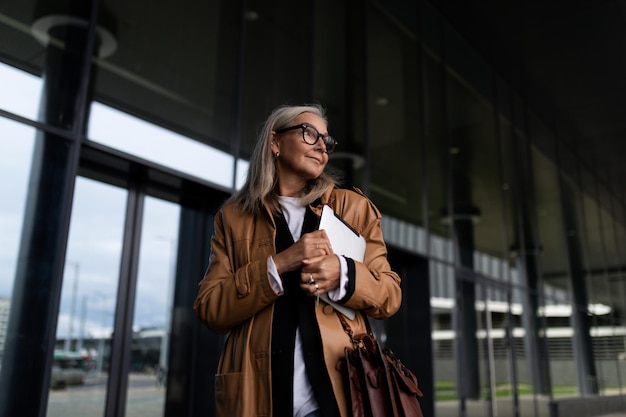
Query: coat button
(328, 309)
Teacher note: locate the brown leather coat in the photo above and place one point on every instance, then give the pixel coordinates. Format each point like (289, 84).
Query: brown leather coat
(235, 296)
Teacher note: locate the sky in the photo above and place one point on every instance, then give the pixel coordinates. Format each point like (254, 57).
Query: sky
(96, 228)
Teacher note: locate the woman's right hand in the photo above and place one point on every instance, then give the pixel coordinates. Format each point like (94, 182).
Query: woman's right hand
(310, 245)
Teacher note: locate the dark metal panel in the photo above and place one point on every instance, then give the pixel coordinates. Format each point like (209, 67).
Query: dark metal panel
(194, 351)
(410, 330)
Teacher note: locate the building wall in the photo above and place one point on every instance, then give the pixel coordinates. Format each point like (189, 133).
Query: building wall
(563, 373)
(113, 234)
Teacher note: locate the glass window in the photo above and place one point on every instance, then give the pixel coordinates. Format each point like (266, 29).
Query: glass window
(332, 58)
(590, 227)
(465, 61)
(278, 62)
(153, 309)
(85, 324)
(560, 339)
(20, 92)
(435, 149)
(476, 174)
(20, 81)
(520, 368)
(497, 378)
(16, 148)
(608, 329)
(137, 137)
(618, 278)
(48, 41)
(550, 222)
(442, 309)
(586, 285)
(509, 183)
(175, 65)
(555, 271)
(242, 173)
(395, 128)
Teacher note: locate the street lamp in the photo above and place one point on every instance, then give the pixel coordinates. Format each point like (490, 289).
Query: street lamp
(68, 339)
(100, 362)
(163, 359)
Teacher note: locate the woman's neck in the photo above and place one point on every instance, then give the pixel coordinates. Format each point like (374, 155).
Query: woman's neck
(290, 189)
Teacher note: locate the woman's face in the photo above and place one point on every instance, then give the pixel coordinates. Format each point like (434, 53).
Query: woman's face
(298, 161)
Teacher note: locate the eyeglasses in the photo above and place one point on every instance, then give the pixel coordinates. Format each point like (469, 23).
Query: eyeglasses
(310, 135)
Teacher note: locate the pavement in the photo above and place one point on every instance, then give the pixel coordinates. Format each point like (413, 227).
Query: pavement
(146, 399)
(529, 406)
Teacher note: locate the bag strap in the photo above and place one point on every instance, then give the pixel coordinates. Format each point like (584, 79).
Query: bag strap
(348, 330)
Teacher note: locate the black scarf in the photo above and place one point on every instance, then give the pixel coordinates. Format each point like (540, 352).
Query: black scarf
(293, 309)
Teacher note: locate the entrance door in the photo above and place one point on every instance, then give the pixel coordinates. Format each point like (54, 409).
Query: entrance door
(409, 332)
(114, 318)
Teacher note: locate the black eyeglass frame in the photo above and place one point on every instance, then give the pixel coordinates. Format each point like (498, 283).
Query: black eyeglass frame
(329, 142)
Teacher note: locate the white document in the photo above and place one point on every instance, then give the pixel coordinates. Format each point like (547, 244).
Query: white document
(344, 241)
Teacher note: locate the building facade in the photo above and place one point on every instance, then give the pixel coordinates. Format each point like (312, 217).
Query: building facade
(125, 125)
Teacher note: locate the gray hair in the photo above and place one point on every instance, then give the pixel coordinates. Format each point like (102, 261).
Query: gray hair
(262, 180)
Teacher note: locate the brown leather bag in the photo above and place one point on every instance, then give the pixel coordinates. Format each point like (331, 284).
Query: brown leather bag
(377, 382)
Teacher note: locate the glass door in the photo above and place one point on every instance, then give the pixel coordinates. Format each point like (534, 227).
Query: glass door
(111, 353)
(81, 364)
(497, 353)
(147, 376)
(498, 379)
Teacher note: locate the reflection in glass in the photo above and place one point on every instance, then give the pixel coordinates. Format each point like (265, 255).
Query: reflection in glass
(442, 304)
(184, 80)
(153, 309)
(80, 367)
(146, 140)
(16, 147)
(395, 131)
(20, 92)
(495, 352)
(608, 329)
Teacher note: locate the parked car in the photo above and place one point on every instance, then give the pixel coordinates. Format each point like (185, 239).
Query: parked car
(68, 368)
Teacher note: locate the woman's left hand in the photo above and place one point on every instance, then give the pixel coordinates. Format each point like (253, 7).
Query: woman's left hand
(321, 274)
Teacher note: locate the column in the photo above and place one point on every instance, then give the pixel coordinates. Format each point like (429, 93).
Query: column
(580, 319)
(27, 360)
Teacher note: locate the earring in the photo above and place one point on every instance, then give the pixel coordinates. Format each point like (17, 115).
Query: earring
(276, 155)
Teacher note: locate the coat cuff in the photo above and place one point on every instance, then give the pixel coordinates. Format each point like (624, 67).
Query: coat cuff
(351, 280)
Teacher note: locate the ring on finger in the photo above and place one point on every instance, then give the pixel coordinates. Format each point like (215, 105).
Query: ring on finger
(311, 281)
(317, 287)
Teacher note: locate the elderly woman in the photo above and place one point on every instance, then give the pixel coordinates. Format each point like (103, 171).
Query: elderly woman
(268, 266)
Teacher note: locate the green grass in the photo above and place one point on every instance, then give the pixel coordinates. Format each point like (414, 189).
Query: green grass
(446, 390)
(564, 389)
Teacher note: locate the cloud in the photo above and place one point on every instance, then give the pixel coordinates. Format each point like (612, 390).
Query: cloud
(16, 148)
(95, 249)
(20, 92)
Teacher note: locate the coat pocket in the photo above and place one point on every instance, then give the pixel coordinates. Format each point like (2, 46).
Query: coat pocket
(236, 396)
(230, 393)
